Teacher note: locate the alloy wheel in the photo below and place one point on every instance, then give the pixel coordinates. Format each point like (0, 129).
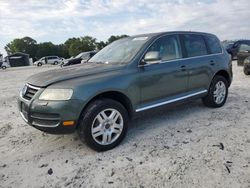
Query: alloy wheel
(219, 92)
(107, 126)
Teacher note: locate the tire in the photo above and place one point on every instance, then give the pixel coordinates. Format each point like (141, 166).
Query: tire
(246, 72)
(4, 67)
(39, 64)
(111, 133)
(55, 63)
(211, 100)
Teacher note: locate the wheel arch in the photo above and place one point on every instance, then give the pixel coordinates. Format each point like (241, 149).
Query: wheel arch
(225, 74)
(114, 95)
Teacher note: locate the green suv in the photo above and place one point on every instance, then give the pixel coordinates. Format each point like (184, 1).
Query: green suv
(137, 73)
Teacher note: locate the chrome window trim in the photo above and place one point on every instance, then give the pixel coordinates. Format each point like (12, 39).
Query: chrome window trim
(170, 101)
(179, 59)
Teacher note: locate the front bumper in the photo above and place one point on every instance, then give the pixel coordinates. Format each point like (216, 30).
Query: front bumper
(48, 116)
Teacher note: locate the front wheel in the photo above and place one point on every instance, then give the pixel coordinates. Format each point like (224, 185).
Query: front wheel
(103, 124)
(4, 67)
(217, 94)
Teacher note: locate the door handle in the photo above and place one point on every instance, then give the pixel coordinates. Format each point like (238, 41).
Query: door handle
(212, 63)
(183, 68)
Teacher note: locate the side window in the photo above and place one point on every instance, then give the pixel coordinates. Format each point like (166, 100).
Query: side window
(168, 48)
(244, 48)
(195, 45)
(85, 56)
(213, 44)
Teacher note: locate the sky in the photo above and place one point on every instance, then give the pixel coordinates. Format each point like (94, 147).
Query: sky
(58, 20)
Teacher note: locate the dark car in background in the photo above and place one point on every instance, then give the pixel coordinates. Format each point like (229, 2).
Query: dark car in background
(244, 58)
(80, 58)
(233, 49)
(246, 68)
(244, 52)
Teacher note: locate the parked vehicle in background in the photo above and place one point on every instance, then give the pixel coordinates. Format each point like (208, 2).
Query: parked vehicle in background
(128, 76)
(52, 60)
(244, 52)
(246, 66)
(5, 65)
(80, 58)
(233, 50)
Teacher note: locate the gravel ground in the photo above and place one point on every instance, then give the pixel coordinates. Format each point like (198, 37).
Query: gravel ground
(187, 145)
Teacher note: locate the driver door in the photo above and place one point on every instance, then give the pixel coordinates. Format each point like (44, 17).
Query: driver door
(166, 78)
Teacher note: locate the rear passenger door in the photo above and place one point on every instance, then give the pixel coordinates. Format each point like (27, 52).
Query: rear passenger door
(198, 61)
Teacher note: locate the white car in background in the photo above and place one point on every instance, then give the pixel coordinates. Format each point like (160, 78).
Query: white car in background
(5, 65)
(52, 60)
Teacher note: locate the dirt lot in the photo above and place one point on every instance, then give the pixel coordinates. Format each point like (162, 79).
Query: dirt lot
(183, 146)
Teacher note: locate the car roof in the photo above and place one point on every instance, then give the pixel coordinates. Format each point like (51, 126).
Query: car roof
(170, 32)
(248, 41)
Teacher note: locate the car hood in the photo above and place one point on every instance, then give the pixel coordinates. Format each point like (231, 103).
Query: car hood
(57, 75)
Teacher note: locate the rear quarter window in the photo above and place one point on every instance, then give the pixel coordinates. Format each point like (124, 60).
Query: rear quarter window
(195, 45)
(213, 44)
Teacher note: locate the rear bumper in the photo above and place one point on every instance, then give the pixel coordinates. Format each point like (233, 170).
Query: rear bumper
(48, 116)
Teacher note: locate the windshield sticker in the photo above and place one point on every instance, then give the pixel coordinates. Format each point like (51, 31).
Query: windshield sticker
(140, 38)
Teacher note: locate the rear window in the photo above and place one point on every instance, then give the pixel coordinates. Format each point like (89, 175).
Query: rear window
(195, 45)
(244, 48)
(213, 44)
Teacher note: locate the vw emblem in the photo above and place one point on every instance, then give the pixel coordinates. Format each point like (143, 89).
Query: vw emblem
(24, 90)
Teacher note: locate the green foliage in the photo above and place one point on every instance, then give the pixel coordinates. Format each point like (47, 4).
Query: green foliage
(113, 38)
(71, 47)
(78, 45)
(25, 45)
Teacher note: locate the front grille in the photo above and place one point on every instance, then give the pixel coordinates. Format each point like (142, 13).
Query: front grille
(29, 91)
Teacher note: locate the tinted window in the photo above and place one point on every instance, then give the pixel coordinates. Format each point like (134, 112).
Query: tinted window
(120, 51)
(195, 45)
(244, 48)
(168, 48)
(85, 56)
(213, 44)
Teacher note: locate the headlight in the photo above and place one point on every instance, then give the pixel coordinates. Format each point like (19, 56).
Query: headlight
(56, 94)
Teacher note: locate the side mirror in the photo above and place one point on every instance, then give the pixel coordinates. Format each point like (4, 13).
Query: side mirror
(152, 57)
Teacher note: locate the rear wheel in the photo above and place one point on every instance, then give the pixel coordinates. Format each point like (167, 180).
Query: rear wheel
(217, 94)
(4, 67)
(103, 124)
(39, 64)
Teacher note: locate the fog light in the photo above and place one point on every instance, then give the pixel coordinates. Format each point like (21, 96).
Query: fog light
(68, 123)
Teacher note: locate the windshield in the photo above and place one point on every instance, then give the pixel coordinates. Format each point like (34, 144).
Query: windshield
(120, 51)
(79, 55)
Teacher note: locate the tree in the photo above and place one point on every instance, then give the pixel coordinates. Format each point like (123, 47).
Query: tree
(83, 44)
(25, 45)
(100, 45)
(113, 38)
(45, 49)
